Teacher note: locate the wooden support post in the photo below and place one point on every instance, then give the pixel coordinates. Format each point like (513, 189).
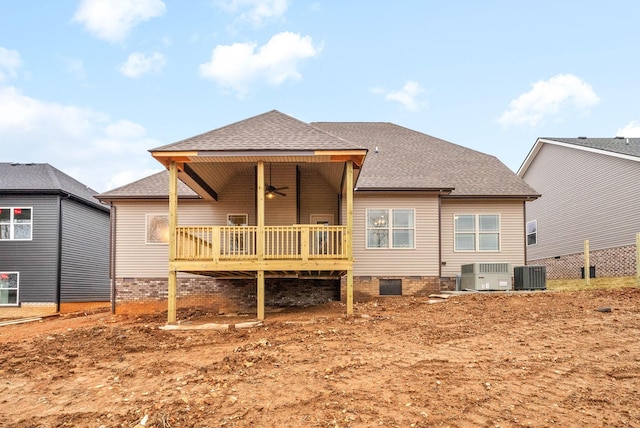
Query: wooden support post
(260, 241)
(638, 259)
(587, 268)
(261, 295)
(349, 191)
(173, 224)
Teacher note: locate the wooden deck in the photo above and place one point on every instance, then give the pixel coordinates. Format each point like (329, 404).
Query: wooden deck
(298, 250)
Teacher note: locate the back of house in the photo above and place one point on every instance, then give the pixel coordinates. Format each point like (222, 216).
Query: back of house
(322, 211)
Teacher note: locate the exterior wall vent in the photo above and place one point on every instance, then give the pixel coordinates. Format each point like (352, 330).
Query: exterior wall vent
(485, 276)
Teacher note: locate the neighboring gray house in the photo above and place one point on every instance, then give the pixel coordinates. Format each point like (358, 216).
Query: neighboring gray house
(54, 242)
(590, 191)
(272, 210)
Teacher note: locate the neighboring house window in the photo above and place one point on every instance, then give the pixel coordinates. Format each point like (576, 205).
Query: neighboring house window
(532, 232)
(390, 228)
(15, 223)
(477, 232)
(9, 282)
(157, 229)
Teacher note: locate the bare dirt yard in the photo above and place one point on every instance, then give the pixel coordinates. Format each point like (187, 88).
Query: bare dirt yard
(489, 360)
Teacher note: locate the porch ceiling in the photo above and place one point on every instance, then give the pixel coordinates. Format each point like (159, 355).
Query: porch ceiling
(209, 173)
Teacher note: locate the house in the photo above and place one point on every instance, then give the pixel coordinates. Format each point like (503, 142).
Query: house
(590, 189)
(272, 210)
(54, 243)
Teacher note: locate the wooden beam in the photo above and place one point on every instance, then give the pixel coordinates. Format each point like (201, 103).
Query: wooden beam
(173, 223)
(260, 295)
(260, 219)
(253, 265)
(349, 190)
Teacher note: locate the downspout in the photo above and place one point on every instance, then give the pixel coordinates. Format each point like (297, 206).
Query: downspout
(59, 260)
(440, 240)
(112, 257)
(524, 228)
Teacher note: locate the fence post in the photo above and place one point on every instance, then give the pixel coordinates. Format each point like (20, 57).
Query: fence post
(638, 259)
(587, 269)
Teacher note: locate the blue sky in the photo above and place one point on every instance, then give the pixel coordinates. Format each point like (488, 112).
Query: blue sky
(90, 86)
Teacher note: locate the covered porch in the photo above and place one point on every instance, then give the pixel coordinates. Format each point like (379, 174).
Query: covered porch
(258, 248)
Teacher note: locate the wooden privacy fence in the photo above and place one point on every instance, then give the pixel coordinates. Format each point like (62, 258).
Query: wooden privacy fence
(298, 242)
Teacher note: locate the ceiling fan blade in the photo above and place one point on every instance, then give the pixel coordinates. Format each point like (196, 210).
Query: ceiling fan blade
(281, 188)
(279, 193)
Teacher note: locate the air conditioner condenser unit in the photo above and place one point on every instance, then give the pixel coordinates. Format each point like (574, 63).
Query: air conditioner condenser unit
(486, 276)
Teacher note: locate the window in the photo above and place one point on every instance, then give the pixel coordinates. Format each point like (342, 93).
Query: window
(237, 220)
(477, 232)
(532, 232)
(393, 228)
(236, 240)
(9, 288)
(15, 224)
(157, 229)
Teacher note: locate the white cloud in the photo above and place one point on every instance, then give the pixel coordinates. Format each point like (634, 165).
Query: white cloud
(547, 98)
(256, 12)
(138, 64)
(238, 65)
(631, 130)
(407, 95)
(10, 62)
(112, 20)
(91, 144)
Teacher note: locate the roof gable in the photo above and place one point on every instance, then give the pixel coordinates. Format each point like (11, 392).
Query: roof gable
(268, 131)
(627, 148)
(30, 178)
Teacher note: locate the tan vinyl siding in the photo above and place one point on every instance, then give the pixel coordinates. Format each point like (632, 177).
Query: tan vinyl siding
(511, 233)
(136, 258)
(281, 210)
(419, 261)
(316, 197)
(585, 195)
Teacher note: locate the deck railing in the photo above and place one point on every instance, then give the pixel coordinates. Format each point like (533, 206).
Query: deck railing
(297, 242)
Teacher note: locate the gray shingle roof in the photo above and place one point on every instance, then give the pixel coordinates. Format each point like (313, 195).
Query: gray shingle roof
(34, 178)
(624, 146)
(410, 159)
(405, 160)
(269, 131)
(155, 186)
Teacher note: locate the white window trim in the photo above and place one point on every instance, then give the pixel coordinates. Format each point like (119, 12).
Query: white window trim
(146, 228)
(245, 215)
(17, 303)
(526, 233)
(389, 228)
(477, 233)
(12, 224)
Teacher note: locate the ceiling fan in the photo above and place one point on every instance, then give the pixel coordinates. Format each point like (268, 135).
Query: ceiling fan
(272, 191)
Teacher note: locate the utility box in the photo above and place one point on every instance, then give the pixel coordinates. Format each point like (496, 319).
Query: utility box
(530, 278)
(485, 276)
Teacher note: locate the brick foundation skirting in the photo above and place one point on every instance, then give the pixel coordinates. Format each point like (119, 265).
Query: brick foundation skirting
(368, 287)
(610, 262)
(148, 295)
